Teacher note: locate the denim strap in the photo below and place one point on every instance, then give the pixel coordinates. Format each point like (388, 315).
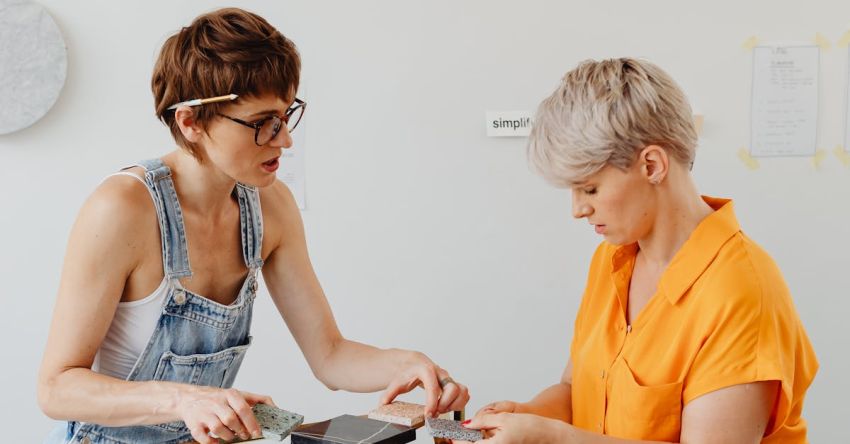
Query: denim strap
(175, 253)
(251, 222)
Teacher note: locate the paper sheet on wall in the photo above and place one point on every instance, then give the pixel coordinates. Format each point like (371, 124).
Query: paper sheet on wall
(292, 165)
(784, 108)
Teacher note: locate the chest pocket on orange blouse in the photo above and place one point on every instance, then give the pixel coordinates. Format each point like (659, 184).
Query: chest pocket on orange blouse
(645, 412)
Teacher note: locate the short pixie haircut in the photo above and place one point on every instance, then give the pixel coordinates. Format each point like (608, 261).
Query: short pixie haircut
(222, 52)
(604, 113)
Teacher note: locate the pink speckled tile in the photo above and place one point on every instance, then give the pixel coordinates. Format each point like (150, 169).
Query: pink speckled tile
(403, 413)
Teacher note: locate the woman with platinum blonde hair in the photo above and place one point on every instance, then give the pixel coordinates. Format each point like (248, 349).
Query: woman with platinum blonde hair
(686, 331)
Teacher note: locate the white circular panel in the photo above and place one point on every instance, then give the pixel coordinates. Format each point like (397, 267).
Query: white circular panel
(33, 64)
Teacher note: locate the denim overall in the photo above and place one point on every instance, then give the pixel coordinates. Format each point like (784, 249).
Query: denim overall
(196, 341)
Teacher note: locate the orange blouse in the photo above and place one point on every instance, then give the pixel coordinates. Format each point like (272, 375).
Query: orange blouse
(721, 315)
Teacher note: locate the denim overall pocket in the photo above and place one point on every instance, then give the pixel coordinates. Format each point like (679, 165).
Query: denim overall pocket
(212, 370)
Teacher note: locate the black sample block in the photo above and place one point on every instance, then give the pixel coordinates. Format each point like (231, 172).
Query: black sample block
(348, 429)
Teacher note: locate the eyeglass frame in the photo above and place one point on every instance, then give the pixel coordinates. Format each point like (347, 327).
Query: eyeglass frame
(258, 124)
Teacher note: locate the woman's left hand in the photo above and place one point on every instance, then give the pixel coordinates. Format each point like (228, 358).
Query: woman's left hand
(518, 428)
(442, 393)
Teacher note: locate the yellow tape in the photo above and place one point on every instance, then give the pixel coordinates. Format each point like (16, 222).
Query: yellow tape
(842, 155)
(821, 41)
(750, 43)
(699, 119)
(845, 40)
(819, 156)
(748, 160)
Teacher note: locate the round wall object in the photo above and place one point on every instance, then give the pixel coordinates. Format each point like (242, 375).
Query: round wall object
(33, 64)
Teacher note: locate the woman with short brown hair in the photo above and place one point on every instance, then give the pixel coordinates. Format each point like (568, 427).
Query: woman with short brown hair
(153, 315)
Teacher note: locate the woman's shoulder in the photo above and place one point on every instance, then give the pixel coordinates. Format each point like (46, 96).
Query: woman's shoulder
(121, 200)
(746, 275)
(277, 200)
(118, 220)
(281, 216)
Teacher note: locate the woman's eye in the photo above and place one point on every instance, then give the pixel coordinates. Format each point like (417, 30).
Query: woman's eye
(262, 120)
(590, 190)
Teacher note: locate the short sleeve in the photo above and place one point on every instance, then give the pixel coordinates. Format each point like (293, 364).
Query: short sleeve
(754, 335)
(730, 351)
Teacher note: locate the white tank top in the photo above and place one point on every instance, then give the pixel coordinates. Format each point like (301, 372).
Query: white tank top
(131, 328)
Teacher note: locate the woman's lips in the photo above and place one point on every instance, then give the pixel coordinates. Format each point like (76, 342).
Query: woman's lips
(272, 165)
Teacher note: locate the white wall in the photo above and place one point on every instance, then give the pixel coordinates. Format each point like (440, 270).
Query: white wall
(425, 233)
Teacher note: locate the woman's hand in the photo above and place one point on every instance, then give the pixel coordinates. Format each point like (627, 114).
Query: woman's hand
(442, 393)
(226, 413)
(518, 428)
(499, 407)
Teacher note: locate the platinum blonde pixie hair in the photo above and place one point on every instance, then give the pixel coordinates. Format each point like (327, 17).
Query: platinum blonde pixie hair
(604, 113)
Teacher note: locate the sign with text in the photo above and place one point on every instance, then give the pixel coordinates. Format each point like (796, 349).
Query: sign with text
(509, 123)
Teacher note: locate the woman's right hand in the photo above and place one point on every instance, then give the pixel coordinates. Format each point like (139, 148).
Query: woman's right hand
(224, 412)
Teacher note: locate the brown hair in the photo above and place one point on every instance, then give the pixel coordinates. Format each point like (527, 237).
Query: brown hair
(222, 52)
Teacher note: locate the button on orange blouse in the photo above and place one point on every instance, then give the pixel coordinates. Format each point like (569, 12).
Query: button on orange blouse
(721, 315)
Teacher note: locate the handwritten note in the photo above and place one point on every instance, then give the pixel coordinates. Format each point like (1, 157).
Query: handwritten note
(784, 109)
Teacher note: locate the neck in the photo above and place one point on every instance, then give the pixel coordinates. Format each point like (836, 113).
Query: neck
(204, 189)
(679, 211)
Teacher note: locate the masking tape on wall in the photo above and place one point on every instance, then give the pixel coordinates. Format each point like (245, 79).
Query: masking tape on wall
(819, 156)
(822, 41)
(842, 155)
(699, 119)
(845, 40)
(748, 160)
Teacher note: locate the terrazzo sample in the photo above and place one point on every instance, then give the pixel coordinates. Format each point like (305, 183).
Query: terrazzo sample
(449, 429)
(276, 423)
(398, 412)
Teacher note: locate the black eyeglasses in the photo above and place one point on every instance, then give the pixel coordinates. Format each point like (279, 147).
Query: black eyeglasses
(268, 127)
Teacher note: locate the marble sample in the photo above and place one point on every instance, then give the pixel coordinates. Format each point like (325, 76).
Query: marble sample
(449, 429)
(398, 412)
(33, 64)
(276, 423)
(348, 429)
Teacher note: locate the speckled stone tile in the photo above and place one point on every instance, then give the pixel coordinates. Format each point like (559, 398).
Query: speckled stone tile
(404, 413)
(276, 423)
(449, 429)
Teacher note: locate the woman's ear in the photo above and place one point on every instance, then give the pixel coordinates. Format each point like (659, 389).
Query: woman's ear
(185, 118)
(655, 164)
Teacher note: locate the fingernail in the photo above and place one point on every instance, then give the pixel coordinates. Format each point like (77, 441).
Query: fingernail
(466, 422)
(256, 434)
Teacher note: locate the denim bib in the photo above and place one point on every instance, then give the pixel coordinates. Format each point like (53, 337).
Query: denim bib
(196, 340)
